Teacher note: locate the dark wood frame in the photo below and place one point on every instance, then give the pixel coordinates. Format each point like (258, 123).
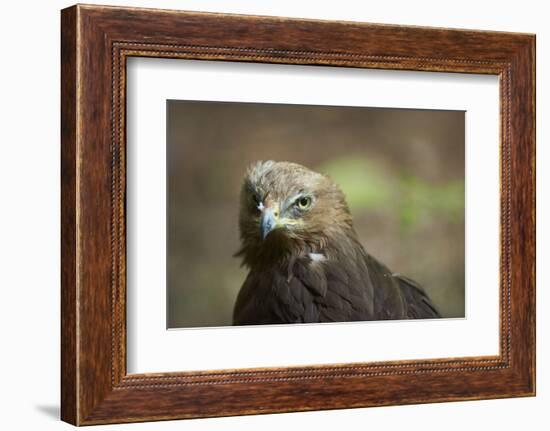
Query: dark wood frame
(95, 43)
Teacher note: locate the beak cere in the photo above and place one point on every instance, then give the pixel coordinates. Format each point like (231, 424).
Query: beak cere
(269, 221)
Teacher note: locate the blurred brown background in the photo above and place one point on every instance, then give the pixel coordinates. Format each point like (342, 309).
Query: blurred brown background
(402, 171)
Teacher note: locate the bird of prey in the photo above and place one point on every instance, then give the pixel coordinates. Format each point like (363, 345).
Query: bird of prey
(305, 261)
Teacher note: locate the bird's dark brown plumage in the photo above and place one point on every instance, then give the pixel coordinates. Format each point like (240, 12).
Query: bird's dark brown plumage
(306, 264)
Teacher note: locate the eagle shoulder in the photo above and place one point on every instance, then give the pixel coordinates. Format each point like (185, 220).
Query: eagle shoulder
(309, 290)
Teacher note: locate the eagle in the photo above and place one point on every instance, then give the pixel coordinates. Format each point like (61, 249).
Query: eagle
(305, 261)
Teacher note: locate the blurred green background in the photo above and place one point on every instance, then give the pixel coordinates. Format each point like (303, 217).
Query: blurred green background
(402, 171)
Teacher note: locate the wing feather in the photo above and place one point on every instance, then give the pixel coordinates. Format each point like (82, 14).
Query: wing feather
(330, 291)
(419, 305)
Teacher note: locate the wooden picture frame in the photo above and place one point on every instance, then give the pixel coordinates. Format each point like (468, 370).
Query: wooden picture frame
(95, 43)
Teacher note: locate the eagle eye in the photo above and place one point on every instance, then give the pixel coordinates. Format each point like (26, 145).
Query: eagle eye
(257, 202)
(303, 203)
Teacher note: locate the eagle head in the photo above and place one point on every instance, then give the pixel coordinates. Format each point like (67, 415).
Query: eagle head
(287, 210)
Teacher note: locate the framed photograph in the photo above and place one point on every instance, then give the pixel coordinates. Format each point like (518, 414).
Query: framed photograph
(264, 214)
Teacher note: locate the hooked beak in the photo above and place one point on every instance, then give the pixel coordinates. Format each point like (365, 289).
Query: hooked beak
(269, 221)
